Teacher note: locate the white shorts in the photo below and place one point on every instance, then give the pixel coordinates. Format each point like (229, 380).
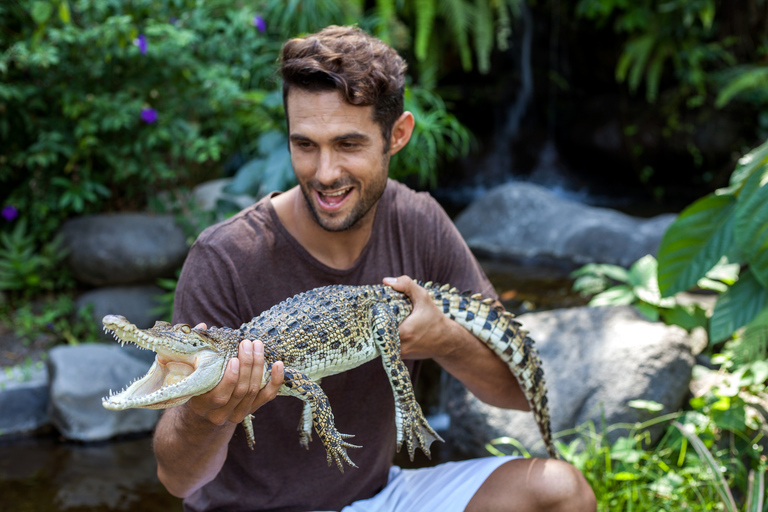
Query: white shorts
(447, 487)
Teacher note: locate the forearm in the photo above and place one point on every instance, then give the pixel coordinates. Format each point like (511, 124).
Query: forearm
(190, 450)
(480, 370)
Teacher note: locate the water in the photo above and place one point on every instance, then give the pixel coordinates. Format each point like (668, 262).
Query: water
(45, 473)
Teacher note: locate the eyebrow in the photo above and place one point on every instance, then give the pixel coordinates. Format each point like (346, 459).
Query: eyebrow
(297, 137)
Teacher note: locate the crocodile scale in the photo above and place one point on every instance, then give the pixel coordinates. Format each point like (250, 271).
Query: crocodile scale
(323, 332)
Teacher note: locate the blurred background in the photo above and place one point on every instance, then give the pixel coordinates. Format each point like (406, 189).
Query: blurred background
(141, 111)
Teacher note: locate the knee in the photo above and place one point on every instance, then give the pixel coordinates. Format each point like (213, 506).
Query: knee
(564, 488)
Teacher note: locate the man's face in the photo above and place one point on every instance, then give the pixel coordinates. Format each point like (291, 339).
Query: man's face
(337, 152)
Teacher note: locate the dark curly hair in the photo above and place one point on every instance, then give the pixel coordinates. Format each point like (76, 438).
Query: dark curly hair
(365, 70)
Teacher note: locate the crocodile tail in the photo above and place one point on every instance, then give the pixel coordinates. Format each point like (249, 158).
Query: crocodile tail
(502, 334)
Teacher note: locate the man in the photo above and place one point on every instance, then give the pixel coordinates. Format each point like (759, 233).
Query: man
(345, 223)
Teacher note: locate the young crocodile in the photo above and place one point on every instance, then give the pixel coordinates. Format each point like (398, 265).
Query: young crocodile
(323, 332)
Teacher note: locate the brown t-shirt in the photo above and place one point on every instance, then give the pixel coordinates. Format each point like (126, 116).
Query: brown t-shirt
(247, 264)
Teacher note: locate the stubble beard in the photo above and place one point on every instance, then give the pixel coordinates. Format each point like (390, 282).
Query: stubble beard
(364, 204)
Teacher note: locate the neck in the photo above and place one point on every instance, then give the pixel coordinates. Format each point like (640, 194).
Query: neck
(336, 249)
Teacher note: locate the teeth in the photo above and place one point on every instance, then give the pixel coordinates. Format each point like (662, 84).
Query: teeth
(334, 194)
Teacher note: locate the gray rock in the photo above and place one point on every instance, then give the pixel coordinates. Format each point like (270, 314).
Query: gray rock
(80, 376)
(136, 303)
(522, 222)
(23, 398)
(596, 360)
(123, 248)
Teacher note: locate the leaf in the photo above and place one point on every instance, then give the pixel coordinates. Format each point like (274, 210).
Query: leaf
(647, 405)
(41, 11)
(64, 14)
(720, 484)
(686, 316)
(620, 295)
(756, 489)
(748, 163)
(614, 272)
(751, 223)
(695, 242)
(737, 307)
(425, 20)
(747, 80)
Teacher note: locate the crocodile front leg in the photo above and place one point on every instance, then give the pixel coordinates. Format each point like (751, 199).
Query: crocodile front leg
(411, 424)
(302, 387)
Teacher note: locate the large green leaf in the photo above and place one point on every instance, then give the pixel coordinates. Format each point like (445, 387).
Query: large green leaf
(751, 223)
(695, 242)
(748, 163)
(737, 307)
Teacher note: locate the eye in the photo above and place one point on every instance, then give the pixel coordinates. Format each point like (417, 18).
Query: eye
(185, 328)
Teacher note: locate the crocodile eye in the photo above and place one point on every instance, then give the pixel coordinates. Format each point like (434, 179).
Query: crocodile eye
(185, 328)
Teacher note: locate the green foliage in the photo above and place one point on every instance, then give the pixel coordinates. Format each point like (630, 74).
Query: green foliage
(57, 318)
(437, 136)
(731, 225)
(25, 271)
(432, 29)
(664, 35)
(612, 285)
(707, 456)
(112, 101)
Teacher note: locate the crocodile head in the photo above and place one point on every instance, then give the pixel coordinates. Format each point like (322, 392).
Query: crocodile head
(189, 362)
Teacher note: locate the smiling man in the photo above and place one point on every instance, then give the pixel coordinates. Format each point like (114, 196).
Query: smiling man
(345, 223)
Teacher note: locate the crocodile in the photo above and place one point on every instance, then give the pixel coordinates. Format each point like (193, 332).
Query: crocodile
(323, 332)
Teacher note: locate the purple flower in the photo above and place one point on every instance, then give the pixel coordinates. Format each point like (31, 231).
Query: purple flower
(9, 213)
(141, 42)
(259, 23)
(173, 20)
(148, 115)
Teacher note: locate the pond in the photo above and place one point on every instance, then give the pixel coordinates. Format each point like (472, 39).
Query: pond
(45, 473)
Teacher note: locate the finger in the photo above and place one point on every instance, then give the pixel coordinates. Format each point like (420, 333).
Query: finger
(245, 357)
(201, 325)
(402, 284)
(276, 380)
(244, 407)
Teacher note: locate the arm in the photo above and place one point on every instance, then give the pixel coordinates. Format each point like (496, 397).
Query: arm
(427, 333)
(191, 440)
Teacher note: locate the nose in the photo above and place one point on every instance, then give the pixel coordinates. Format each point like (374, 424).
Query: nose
(328, 169)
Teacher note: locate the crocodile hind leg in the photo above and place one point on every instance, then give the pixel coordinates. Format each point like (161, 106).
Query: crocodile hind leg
(302, 387)
(412, 426)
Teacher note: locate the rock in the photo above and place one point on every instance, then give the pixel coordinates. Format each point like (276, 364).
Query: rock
(595, 360)
(123, 248)
(23, 398)
(80, 376)
(525, 223)
(136, 303)
(209, 193)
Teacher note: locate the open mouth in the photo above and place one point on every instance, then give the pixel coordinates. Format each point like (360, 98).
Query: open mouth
(332, 201)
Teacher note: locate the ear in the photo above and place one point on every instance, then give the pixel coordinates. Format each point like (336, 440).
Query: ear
(401, 132)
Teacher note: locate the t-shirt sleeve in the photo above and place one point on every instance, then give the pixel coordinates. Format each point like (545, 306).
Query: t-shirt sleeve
(451, 259)
(205, 291)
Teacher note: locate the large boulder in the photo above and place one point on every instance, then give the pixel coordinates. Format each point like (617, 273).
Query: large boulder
(23, 398)
(525, 223)
(136, 303)
(596, 361)
(123, 248)
(79, 377)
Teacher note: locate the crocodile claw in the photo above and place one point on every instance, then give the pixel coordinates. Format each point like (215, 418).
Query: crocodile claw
(338, 452)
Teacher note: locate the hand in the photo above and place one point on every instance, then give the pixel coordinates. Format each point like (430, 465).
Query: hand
(426, 332)
(239, 393)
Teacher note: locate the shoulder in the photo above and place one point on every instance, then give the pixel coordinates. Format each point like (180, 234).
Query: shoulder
(240, 231)
(406, 201)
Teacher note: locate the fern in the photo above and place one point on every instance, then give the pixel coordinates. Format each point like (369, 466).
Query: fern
(749, 80)
(457, 14)
(483, 31)
(425, 20)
